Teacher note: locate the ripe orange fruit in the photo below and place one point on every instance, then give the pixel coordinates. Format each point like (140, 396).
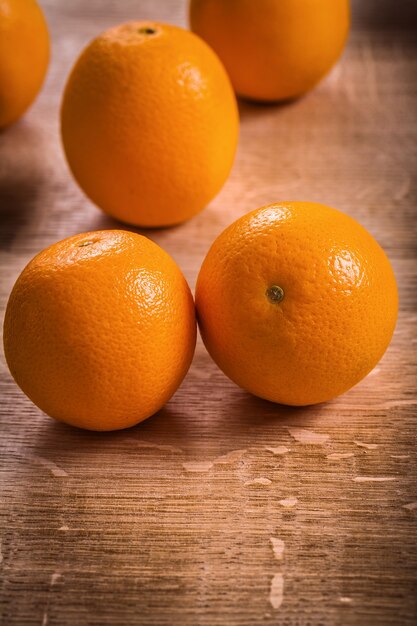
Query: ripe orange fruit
(100, 329)
(24, 56)
(296, 302)
(273, 49)
(149, 123)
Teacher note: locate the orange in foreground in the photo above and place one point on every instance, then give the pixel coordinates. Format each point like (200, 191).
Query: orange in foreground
(24, 56)
(100, 329)
(273, 49)
(149, 123)
(296, 302)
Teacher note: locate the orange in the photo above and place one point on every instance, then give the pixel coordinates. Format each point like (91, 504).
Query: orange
(296, 302)
(149, 123)
(24, 56)
(100, 329)
(273, 49)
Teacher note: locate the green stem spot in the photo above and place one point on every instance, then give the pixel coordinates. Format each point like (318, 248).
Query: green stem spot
(275, 294)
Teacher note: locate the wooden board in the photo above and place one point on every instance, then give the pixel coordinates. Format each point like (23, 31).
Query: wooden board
(224, 509)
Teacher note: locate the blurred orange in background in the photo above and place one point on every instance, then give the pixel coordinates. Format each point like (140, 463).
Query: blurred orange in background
(273, 49)
(24, 56)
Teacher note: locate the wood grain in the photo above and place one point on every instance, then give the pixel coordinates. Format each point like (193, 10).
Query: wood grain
(224, 509)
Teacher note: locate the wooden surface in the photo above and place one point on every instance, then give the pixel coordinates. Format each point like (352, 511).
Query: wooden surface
(224, 509)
